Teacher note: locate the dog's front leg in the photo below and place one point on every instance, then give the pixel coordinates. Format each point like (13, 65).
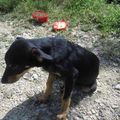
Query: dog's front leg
(48, 91)
(66, 99)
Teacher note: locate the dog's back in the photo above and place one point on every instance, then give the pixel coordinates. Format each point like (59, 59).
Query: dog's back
(63, 51)
(85, 62)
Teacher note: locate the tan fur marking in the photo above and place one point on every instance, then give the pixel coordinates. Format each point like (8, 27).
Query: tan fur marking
(65, 108)
(48, 90)
(16, 77)
(49, 84)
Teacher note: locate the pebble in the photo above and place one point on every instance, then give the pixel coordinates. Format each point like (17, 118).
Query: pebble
(115, 106)
(115, 64)
(35, 76)
(117, 87)
(93, 111)
(101, 104)
(27, 76)
(77, 118)
(8, 94)
(85, 117)
(97, 101)
(89, 112)
(93, 117)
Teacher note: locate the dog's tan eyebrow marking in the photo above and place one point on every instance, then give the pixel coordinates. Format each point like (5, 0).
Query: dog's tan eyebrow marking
(27, 66)
(10, 65)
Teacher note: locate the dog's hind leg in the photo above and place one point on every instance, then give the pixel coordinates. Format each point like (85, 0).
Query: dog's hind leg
(48, 91)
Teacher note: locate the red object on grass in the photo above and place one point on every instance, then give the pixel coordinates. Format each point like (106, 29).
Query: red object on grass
(40, 16)
(59, 25)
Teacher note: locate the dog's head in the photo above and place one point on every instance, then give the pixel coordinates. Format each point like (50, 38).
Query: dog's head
(20, 57)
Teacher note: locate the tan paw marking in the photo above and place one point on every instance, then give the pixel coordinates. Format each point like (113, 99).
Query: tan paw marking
(61, 116)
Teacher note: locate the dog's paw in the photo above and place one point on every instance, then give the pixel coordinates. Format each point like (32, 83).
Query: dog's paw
(62, 116)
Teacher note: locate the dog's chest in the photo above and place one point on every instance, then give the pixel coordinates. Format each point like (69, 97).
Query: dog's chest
(52, 69)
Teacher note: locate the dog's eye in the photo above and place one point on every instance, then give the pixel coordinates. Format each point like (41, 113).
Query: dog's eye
(9, 65)
(27, 66)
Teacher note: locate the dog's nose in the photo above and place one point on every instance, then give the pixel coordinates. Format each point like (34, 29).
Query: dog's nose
(4, 80)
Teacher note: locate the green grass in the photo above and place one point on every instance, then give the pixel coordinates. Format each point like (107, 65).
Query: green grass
(106, 17)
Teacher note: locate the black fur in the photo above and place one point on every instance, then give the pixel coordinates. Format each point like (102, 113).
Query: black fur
(75, 64)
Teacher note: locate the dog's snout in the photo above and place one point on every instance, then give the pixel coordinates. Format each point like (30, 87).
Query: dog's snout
(8, 80)
(4, 80)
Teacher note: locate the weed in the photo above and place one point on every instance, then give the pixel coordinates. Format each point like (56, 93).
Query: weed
(106, 17)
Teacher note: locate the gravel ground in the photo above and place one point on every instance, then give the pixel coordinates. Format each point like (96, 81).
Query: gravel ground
(17, 101)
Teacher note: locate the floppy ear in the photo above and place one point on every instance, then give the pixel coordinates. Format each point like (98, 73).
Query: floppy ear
(40, 55)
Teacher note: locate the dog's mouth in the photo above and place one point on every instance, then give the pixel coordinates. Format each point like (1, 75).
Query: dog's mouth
(10, 79)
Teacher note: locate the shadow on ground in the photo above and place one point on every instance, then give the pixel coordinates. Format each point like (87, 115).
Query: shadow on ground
(34, 22)
(108, 50)
(31, 110)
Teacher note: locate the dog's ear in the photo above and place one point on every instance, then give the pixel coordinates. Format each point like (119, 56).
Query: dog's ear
(40, 55)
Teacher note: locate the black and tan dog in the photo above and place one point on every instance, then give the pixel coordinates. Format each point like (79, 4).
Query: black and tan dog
(74, 64)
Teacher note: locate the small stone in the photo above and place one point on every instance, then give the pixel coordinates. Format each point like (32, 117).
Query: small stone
(117, 87)
(8, 94)
(93, 111)
(85, 117)
(74, 33)
(115, 106)
(76, 118)
(101, 104)
(35, 76)
(94, 117)
(115, 64)
(97, 101)
(27, 76)
(89, 112)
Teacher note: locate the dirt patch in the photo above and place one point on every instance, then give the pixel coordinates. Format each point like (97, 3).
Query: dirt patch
(18, 100)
